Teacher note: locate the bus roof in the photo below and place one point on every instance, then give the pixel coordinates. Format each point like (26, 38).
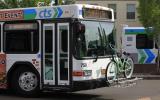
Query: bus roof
(61, 11)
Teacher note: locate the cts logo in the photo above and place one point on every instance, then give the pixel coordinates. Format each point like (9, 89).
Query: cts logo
(45, 13)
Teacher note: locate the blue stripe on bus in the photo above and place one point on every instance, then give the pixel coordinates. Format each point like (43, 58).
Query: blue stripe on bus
(134, 30)
(29, 11)
(60, 12)
(150, 55)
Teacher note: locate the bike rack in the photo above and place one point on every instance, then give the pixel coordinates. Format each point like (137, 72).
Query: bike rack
(124, 83)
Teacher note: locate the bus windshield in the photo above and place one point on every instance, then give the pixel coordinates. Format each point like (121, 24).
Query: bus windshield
(94, 41)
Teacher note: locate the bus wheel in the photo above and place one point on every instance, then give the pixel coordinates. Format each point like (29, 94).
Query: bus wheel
(25, 82)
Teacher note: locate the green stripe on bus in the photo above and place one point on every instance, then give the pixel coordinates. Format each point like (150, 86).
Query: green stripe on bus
(29, 16)
(55, 13)
(135, 33)
(142, 56)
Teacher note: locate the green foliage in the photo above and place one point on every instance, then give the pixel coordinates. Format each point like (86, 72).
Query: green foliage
(69, 1)
(47, 2)
(149, 16)
(7, 4)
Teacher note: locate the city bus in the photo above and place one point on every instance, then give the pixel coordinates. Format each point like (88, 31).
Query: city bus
(136, 41)
(54, 48)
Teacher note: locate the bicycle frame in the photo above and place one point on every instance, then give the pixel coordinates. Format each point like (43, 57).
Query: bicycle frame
(120, 63)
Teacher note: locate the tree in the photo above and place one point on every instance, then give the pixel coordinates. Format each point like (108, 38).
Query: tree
(7, 4)
(69, 1)
(65, 2)
(149, 16)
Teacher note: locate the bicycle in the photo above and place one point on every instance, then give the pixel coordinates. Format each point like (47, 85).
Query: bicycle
(120, 63)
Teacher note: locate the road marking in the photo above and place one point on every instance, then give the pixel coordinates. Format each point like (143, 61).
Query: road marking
(145, 98)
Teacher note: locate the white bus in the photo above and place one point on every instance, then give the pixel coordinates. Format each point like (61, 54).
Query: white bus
(137, 42)
(54, 48)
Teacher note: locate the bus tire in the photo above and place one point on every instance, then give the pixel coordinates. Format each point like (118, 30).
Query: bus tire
(25, 82)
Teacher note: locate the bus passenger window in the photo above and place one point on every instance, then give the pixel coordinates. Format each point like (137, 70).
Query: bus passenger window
(143, 42)
(21, 37)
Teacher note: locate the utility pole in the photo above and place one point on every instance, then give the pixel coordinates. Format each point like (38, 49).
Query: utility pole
(56, 2)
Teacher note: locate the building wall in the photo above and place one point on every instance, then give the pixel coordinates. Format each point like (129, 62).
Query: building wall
(121, 9)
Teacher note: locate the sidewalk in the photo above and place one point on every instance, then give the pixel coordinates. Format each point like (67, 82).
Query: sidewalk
(147, 76)
(146, 71)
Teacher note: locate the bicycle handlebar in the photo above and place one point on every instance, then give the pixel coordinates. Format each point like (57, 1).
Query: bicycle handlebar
(118, 53)
(125, 53)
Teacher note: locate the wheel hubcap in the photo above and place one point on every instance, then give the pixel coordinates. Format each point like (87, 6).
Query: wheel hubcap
(28, 81)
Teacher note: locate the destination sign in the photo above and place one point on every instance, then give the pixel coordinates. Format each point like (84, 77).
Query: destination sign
(21, 26)
(11, 15)
(96, 13)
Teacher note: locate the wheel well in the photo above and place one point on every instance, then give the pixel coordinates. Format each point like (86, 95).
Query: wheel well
(17, 65)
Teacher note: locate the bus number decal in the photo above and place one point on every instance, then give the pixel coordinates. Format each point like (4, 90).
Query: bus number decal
(84, 65)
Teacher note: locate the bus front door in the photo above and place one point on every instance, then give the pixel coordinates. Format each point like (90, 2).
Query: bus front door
(49, 54)
(56, 54)
(63, 54)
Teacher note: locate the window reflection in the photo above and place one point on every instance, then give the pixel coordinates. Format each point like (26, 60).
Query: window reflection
(95, 40)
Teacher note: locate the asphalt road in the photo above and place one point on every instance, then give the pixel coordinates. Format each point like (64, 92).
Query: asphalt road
(143, 90)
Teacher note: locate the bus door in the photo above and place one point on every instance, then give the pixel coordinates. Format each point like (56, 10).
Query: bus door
(49, 54)
(63, 54)
(56, 54)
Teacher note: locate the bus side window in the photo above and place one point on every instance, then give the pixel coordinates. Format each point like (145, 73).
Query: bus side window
(21, 37)
(143, 42)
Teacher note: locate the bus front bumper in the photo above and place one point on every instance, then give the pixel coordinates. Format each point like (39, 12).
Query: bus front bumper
(89, 84)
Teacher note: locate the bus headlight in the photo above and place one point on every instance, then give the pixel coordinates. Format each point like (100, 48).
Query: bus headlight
(87, 72)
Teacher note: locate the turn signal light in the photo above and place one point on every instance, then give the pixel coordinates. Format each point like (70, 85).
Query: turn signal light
(78, 73)
(82, 73)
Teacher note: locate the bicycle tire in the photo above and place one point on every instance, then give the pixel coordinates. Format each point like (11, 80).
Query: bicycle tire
(128, 71)
(111, 72)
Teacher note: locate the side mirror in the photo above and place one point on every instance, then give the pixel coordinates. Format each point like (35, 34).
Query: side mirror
(79, 28)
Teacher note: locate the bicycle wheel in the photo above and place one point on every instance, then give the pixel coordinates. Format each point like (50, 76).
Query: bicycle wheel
(128, 68)
(111, 72)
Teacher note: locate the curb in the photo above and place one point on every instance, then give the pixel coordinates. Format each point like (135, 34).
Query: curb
(148, 77)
